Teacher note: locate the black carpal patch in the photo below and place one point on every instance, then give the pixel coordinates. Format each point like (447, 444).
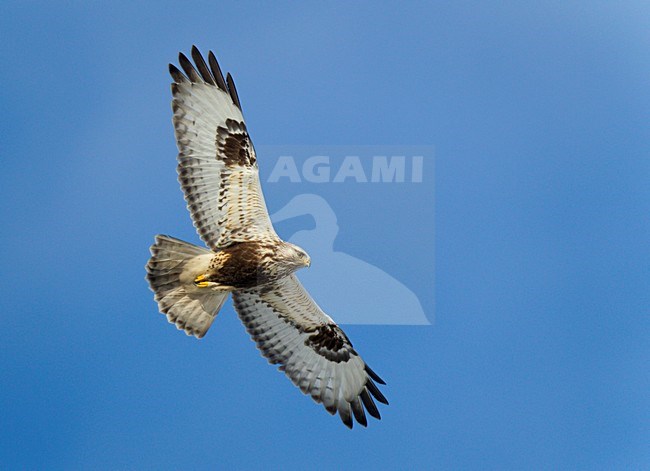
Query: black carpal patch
(234, 144)
(329, 341)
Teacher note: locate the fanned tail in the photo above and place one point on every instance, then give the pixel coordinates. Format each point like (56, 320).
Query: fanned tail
(171, 271)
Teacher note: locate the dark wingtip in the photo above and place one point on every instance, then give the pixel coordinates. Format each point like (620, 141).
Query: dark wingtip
(349, 423)
(216, 71)
(359, 414)
(374, 390)
(233, 91)
(370, 405)
(176, 74)
(374, 375)
(202, 66)
(189, 69)
(346, 414)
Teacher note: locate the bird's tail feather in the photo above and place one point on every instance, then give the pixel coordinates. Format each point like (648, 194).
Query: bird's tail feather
(171, 271)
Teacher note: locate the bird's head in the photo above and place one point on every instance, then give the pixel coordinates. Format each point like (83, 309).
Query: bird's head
(296, 256)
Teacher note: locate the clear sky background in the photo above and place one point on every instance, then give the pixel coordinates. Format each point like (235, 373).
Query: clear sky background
(539, 286)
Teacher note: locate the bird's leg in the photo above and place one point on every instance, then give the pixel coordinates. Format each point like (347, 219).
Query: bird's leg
(200, 282)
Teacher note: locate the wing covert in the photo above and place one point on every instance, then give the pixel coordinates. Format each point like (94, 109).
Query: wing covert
(217, 165)
(292, 331)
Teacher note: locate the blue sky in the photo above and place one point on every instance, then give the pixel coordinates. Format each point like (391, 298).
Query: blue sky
(528, 244)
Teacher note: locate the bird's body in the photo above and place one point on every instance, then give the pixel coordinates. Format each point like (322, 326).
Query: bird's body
(250, 264)
(219, 176)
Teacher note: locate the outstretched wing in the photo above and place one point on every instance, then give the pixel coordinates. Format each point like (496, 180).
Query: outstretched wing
(217, 166)
(292, 331)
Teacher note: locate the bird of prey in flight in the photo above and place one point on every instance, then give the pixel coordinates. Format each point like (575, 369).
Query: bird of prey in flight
(218, 173)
